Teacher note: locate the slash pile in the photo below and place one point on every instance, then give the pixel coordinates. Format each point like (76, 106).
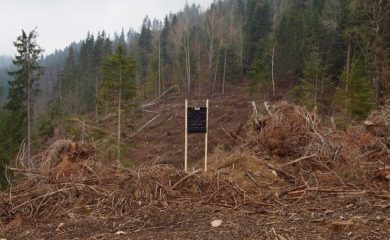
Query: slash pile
(280, 153)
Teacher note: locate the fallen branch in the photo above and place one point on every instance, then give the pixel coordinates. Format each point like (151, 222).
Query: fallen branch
(24, 171)
(281, 171)
(146, 124)
(184, 178)
(43, 196)
(85, 125)
(350, 192)
(155, 101)
(267, 109)
(229, 134)
(254, 114)
(251, 177)
(299, 159)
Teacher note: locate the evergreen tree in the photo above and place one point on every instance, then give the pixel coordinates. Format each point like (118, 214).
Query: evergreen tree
(107, 45)
(357, 102)
(232, 65)
(70, 83)
(257, 28)
(145, 49)
(311, 88)
(259, 73)
(86, 73)
(22, 90)
(5, 152)
(165, 43)
(118, 86)
(98, 56)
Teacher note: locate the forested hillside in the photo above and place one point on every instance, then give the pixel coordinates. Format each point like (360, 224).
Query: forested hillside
(328, 55)
(5, 64)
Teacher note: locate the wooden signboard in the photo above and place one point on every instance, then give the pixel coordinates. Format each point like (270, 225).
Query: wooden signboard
(197, 118)
(196, 122)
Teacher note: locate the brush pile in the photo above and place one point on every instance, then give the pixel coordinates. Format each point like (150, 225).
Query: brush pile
(281, 152)
(302, 151)
(378, 124)
(69, 183)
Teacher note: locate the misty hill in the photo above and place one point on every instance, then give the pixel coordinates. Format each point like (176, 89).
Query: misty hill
(5, 61)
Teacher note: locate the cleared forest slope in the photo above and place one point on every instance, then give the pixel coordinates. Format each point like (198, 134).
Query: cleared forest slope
(277, 174)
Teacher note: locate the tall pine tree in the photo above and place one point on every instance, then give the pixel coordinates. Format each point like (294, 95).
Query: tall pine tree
(118, 86)
(22, 90)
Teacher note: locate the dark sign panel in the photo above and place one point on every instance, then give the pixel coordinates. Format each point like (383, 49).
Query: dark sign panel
(197, 120)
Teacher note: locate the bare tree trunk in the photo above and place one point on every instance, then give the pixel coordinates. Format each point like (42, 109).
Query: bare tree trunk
(273, 69)
(349, 57)
(241, 54)
(70, 100)
(28, 112)
(119, 118)
(348, 63)
(61, 110)
(96, 98)
(210, 33)
(316, 82)
(216, 66)
(83, 131)
(224, 73)
(379, 54)
(159, 66)
(199, 70)
(188, 65)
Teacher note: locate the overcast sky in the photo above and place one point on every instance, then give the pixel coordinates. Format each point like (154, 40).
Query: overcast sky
(60, 22)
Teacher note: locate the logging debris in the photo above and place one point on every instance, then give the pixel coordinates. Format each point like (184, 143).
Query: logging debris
(285, 156)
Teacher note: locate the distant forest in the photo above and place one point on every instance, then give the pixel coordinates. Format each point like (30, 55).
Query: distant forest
(5, 65)
(331, 56)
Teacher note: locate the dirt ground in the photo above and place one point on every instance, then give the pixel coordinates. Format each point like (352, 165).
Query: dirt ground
(324, 218)
(162, 141)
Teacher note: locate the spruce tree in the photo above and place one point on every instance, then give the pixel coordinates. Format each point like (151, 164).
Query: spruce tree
(259, 73)
(118, 85)
(145, 48)
(86, 74)
(312, 85)
(357, 102)
(22, 90)
(70, 83)
(257, 29)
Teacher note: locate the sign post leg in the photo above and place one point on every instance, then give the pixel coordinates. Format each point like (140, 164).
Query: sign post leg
(206, 135)
(185, 135)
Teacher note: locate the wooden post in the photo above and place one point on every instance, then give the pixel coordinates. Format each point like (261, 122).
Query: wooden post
(185, 135)
(206, 135)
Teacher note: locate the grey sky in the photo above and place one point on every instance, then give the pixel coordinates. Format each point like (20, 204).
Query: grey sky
(60, 22)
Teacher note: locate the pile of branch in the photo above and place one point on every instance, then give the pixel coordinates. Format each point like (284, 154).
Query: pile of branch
(288, 131)
(283, 153)
(378, 123)
(70, 183)
(304, 151)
